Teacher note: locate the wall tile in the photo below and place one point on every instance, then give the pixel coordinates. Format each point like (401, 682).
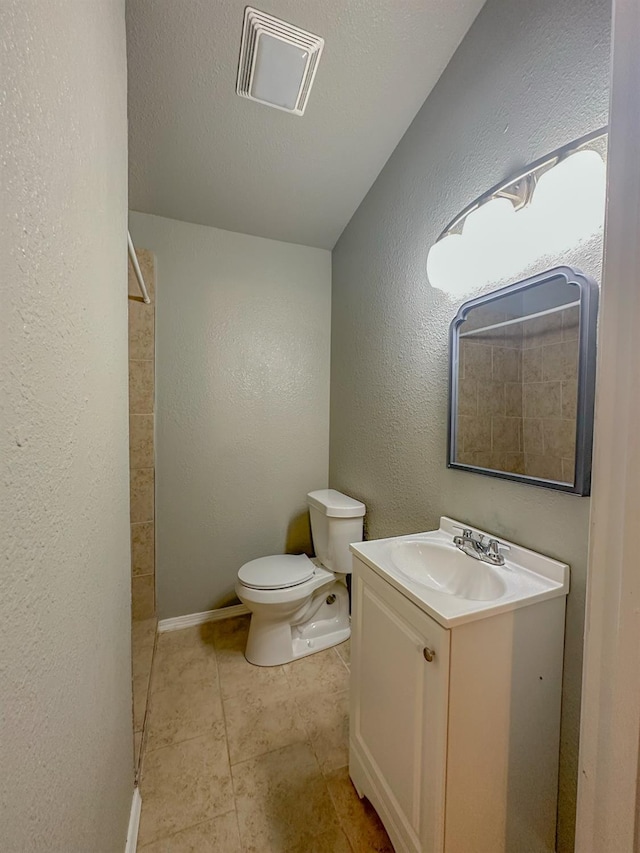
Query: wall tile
(491, 398)
(546, 467)
(532, 430)
(542, 400)
(492, 459)
(513, 399)
(532, 365)
(570, 323)
(543, 331)
(505, 433)
(467, 397)
(560, 361)
(146, 261)
(559, 437)
(513, 335)
(514, 463)
(569, 400)
(141, 488)
(467, 458)
(142, 548)
(141, 441)
(568, 470)
(143, 605)
(506, 364)
(141, 387)
(475, 433)
(141, 331)
(477, 361)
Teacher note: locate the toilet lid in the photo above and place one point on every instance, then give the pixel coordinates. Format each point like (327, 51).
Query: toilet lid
(278, 572)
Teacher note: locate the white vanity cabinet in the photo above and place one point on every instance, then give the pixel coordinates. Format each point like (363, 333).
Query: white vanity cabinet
(454, 732)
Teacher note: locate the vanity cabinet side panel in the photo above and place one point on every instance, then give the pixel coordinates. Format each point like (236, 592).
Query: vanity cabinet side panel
(398, 725)
(504, 731)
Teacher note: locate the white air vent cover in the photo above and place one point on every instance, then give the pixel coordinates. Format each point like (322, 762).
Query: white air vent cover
(277, 62)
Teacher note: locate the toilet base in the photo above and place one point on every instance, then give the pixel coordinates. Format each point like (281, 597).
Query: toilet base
(275, 642)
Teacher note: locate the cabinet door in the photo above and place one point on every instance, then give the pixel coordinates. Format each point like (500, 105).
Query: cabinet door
(399, 707)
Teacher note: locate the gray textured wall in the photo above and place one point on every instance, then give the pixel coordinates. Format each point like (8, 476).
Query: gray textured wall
(242, 402)
(65, 630)
(527, 78)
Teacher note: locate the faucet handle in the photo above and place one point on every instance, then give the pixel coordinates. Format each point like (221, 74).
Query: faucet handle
(495, 545)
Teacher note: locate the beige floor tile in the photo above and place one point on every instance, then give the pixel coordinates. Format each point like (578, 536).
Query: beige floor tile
(332, 841)
(185, 784)
(358, 818)
(197, 638)
(183, 671)
(141, 658)
(219, 835)
(237, 675)
(143, 633)
(182, 659)
(140, 693)
(323, 668)
(344, 650)
(137, 745)
(262, 720)
(231, 633)
(326, 720)
(182, 711)
(282, 801)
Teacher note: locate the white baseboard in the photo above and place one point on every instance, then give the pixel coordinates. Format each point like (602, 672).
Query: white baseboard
(134, 822)
(190, 619)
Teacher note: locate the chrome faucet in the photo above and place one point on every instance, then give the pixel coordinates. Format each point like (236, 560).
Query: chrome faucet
(480, 547)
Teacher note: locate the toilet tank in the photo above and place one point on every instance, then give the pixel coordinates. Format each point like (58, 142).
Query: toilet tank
(336, 521)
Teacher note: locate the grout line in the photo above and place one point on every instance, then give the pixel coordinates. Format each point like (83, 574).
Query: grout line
(224, 717)
(143, 741)
(191, 826)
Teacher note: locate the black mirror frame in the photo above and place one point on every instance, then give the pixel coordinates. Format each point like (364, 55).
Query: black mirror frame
(589, 293)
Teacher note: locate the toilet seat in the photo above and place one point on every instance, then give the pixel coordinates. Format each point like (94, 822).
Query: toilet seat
(278, 572)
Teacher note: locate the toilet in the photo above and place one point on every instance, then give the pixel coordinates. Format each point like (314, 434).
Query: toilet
(300, 606)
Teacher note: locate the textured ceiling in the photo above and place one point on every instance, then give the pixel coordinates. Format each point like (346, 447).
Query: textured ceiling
(200, 153)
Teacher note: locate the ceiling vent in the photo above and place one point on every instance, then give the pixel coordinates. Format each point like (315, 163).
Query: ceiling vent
(277, 62)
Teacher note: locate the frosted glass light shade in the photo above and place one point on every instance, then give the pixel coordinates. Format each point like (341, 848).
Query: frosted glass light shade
(498, 242)
(569, 201)
(487, 237)
(446, 266)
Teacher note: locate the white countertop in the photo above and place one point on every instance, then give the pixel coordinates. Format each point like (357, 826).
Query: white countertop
(528, 577)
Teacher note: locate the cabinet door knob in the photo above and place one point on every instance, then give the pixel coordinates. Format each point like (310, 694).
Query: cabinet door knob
(428, 653)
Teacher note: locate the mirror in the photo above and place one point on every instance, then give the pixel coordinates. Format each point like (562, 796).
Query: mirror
(521, 382)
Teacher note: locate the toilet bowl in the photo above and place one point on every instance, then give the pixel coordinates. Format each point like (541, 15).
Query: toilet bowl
(300, 606)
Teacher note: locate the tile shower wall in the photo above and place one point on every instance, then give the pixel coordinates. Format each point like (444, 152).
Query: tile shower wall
(518, 394)
(141, 439)
(490, 380)
(549, 376)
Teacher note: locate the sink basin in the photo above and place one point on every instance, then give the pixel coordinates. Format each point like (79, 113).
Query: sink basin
(444, 568)
(453, 588)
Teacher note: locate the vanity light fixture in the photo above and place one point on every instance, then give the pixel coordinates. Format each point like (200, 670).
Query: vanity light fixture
(546, 208)
(278, 62)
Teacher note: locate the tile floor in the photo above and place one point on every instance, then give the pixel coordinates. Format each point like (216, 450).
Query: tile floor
(244, 758)
(143, 637)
